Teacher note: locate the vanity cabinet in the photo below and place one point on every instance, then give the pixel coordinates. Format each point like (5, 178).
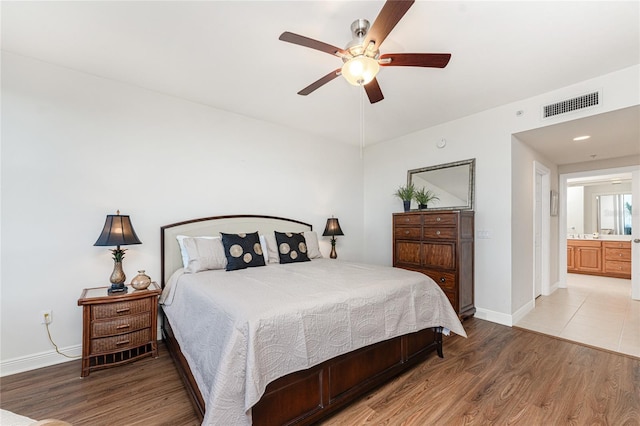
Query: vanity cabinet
(439, 244)
(596, 257)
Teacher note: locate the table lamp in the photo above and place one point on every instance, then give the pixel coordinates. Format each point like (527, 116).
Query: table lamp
(117, 231)
(332, 229)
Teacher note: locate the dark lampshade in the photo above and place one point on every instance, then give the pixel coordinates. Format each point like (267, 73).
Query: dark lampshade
(117, 231)
(331, 230)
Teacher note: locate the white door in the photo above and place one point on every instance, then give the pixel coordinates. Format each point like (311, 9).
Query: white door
(537, 239)
(541, 230)
(635, 234)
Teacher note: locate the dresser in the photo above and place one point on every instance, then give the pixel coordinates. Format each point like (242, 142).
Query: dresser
(118, 328)
(439, 244)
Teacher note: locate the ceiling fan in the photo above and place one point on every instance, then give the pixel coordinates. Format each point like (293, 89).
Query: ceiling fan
(362, 58)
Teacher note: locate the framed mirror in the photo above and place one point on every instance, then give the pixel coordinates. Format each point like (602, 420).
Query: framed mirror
(452, 183)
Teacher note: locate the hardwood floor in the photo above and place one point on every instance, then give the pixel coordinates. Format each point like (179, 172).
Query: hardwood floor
(499, 375)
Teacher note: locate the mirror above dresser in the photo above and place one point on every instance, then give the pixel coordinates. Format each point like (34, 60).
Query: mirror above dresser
(453, 184)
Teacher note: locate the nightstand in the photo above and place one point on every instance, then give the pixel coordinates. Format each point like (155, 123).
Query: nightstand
(118, 328)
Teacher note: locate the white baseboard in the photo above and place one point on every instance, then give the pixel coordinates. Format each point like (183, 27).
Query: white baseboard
(520, 313)
(497, 317)
(39, 360)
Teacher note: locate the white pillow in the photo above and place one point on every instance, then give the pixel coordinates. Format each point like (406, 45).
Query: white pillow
(264, 245)
(272, 249)
(183, 251)
(204, 253)
(313, 248)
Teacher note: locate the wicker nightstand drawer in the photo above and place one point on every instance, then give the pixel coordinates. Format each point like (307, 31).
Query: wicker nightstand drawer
(121, 342)
(111, 310)
(120, 325)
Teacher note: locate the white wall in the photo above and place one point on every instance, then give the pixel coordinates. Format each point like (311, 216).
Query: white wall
(500, 288)
(522, 227)
(76, 148)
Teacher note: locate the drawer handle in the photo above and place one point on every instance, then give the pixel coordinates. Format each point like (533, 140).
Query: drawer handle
(620, 254)
(406, 232)
(437, 232)
(406, 220)
(123, 310)
(120, 327)
(437, 219)
(123, 342)
(442, 279)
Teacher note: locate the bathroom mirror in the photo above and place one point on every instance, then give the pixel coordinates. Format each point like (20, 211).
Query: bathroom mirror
(452, 183)
(599, 204)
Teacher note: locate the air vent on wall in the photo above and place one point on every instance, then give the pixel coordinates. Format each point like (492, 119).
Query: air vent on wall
(574, 104)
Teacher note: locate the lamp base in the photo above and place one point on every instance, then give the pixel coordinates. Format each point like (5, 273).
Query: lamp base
(333, 254)
(117, 289)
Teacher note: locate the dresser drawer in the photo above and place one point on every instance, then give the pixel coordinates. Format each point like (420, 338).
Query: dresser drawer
(407, 219)
(120, 325)
(436, 233)
(407, 253)
(408, 233)
(623, 255)
(446, 280)
(440, 219)
(439, 255)
(453, 298)
(121, 342)
(111, 310)
(615, 267)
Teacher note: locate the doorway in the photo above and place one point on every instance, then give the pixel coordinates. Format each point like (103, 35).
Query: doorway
(563, 228)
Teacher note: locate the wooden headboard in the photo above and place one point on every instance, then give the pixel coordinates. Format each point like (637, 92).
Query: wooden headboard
(171, 260)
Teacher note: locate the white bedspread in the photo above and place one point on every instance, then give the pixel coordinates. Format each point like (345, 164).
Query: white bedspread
(241, 330)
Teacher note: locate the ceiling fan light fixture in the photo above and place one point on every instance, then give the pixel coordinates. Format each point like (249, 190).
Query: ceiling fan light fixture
(360, 70)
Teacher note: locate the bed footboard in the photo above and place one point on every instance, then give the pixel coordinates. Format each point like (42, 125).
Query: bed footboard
(305, 397)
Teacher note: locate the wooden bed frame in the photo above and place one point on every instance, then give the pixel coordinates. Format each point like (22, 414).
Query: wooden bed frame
(302, 397)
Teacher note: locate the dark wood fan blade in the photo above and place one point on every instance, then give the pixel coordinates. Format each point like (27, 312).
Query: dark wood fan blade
(319, 83)
(389, 16)
(311, 43)
(433, 60)
(373, 91)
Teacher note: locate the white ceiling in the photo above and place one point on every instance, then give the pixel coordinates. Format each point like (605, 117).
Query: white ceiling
(226, 54)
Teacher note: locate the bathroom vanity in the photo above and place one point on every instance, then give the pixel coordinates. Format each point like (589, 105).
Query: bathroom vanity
(610, 258)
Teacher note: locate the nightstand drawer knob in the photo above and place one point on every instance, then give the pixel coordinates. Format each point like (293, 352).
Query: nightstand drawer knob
(437, 219)
(406, 232)
(124, 342)
(123, 310)
(437, 232)
(442, 279)
(120, 327)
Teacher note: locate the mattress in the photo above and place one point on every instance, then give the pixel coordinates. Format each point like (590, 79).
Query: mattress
(240, 330)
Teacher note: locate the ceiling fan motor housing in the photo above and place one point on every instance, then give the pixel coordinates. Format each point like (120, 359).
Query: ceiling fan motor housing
(359, 29)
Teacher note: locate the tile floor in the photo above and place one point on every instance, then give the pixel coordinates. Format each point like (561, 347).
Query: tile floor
(596, 311)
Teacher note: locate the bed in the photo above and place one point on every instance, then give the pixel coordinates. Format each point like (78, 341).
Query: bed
(288, 343)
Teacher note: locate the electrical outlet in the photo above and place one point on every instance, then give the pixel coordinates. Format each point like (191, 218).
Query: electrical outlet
(45, 317)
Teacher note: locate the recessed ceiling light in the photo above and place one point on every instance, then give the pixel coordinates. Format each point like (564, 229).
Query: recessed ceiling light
(581, 138)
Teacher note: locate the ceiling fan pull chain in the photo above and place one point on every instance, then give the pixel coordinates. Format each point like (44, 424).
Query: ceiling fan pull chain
(361, 123)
